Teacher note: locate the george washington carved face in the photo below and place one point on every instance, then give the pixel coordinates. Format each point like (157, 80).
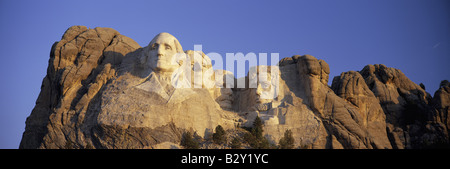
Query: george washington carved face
(161, 53)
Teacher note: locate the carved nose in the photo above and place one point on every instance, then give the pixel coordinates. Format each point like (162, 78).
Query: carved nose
(160, 52)
(259, 90)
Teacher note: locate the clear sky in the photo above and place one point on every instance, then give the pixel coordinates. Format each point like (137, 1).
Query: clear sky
(411, 35)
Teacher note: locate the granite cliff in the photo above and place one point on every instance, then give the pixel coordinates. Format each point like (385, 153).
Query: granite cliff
(102, 90)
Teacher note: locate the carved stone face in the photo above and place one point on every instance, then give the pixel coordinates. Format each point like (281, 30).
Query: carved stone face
(264, 92)
(223, 95)
(261, 97)
(162, 52)
(225, 98)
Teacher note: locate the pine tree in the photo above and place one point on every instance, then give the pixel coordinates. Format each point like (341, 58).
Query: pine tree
(264, 143)
(256, 139)
(422, 86)
(219, 135)
(251, 140)
(444, 83)
(188, 142)
(257, 129)
(287, 141)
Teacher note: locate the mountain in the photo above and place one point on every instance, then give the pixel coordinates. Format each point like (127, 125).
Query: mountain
(103, 90)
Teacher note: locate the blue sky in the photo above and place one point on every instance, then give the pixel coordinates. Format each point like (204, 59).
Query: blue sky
(411, 35)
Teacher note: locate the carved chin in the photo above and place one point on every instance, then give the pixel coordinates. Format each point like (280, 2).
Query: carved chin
(263, 106)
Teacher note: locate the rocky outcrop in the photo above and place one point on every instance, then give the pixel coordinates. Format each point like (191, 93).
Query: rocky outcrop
(409, 116)
(100, 93)
(351, 87)
(344, 121)
(79, 66)
(441, 102)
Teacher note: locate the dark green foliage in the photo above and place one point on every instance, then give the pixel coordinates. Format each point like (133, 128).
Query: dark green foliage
(188, 142)
(251, 140)
(264, 144)
(287, 141)
(444, 83)
(255, 138)
(422, 86)
(219, 135)
(236, 144)
(257, 129)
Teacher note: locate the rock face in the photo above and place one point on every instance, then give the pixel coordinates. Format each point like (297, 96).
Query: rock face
(79, 66)
(102, 90)
(409, 115)
(441, 102)
(351, 87)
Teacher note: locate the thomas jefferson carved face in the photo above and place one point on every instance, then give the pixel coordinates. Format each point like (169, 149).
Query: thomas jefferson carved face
(162, 52)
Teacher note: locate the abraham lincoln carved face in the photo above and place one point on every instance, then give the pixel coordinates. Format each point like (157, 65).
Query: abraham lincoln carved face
(267, 87)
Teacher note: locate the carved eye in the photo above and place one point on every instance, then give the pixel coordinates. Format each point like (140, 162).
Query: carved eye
(168, 47)
(265, 85)
(154, 46)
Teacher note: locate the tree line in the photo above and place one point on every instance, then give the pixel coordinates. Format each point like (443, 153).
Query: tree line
(254, 138)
